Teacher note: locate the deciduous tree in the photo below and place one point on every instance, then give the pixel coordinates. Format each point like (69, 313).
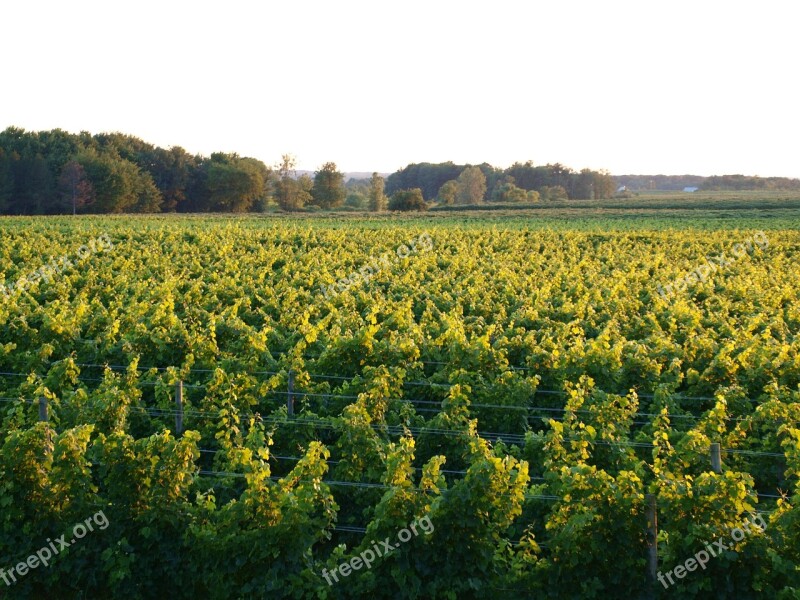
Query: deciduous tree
(328, 190)
(288, 191)
(604, 185)
(508, 192)
(408, 200)
(448, 192)
(553, 192)
(75, 188)
(471, 186)
(377, 199)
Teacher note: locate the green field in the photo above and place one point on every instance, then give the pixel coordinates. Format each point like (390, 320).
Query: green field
(510, 381)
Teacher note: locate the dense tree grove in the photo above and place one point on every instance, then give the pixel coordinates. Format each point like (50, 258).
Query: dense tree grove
(745, 182)
(431, 178)
(56, 172)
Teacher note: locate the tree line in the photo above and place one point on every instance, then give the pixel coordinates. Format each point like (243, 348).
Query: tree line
(749, 182)
(448, 183)
(56, 172)
(713, 183)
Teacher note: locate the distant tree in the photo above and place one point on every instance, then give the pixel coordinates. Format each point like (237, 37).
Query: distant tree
(58, 148)
(377, 198)
(233, 186)
(119, 185)
(357, 193)
(583, 185)
(171, 171)
(471, 186)
(494, 178)
(604, 185)
(405, 200)
(553, 192)
(113, 180)
(74, 185)
(288, 191)
(560, 175)
(148, 196)
(263, 177)
(448, 192)
(283, 191)
(426, 176)
(508, 192)
(304, 185)
(529, 177)
(328, 190)
(357, 198)
(34, 186)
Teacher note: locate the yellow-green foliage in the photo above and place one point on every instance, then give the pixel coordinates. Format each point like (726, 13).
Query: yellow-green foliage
(524, 386)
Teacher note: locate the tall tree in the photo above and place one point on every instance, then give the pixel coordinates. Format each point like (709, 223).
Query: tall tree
(583, 185)
(328, 190)
(604, 185)
(471, 186)
(288, 191)
(377, 199)
(74, 185)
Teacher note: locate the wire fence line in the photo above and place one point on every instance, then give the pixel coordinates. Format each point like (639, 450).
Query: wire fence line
(517, 439)
(505, 407)
(352, 529)
(350, 378)
(332, 422)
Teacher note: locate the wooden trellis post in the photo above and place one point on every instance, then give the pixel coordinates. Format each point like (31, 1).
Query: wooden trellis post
(179, 408)
(716, 458)
(651, 512)
(290, 395)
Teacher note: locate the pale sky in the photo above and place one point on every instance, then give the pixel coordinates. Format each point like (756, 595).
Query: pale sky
(701, 87)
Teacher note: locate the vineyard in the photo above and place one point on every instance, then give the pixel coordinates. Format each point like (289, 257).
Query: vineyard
(255, 403)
